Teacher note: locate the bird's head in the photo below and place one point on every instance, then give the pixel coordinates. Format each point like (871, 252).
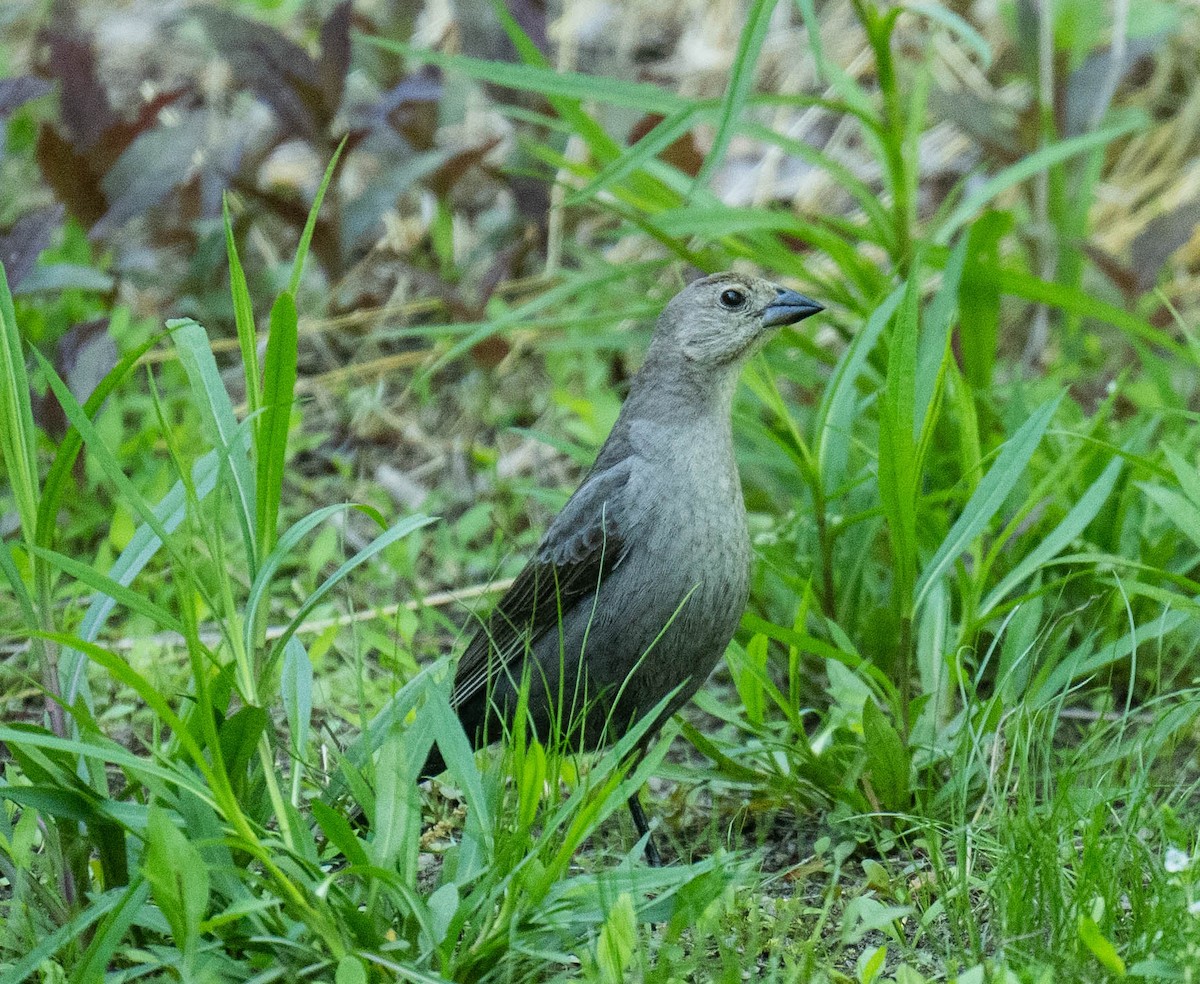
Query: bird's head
(723, 319)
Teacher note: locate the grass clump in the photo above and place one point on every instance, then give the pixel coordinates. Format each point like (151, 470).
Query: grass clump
(955, 737)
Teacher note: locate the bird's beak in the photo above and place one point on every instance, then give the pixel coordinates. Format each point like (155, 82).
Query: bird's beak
(788, 308)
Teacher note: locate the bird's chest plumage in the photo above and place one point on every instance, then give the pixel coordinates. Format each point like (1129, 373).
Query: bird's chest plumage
(681, 590)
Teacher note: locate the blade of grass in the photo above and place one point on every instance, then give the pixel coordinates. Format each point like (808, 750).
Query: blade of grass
(1026, 168)
(243, 316)
(219, 424)
(1073, 524)
(989, 496)
(18, 438)
(741, 80)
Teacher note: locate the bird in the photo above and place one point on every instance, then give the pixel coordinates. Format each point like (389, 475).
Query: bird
(639, 583)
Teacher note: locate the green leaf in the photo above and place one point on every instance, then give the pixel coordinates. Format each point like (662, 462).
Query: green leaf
(741, 79)
(888, 761)
(110, 935)
(177, 875)
(618, 940)
(279, 390)
(1074, 523)
(838, 411)
(133, 600)
(979, 297)
(340, 834)
(217, 419)
(59, 478)
(145, 543)
(990, 494)
(350, 970)
(1098, 943)
(296, 686)
(650, 146)
(239, 740)
(243, 317)
(898, 465)
(18, 439)
(69, 933)
(1027, 167)
(311, 224)
(545, 80)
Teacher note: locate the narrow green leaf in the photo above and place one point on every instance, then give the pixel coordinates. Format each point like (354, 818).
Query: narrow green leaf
(279, 389)
(545, 80)
(110, 935)
(898, 477)
(243, 316)
(70, 932)
(260, 588)
(18, 439)
(979, 297)
(1186, 474)
(839, 405)
(380, 543)
(296, 687)
(59, 478)
(133, 600)
(1102, 949)
(310, 226)
(100, 452)
(1075, 301)
(650, 146)
(1027, 167)
(1061, 537)
(888, 761)
(178, 877)
(143, 545)
(741, 80)
(989, 496)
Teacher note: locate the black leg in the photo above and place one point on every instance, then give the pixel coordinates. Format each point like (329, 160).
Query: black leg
(653, 858)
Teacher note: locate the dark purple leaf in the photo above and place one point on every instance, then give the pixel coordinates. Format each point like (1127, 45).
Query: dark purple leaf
(154, 165)
(1161, 237)
(83, 103)
(71, 176)
(443, 180)
(22, 244)
(14, 93)
(411, 107)
(334, 62)
(277, 70)
(1088, 93)
(532, 197)
(83, 357)
(77, 176)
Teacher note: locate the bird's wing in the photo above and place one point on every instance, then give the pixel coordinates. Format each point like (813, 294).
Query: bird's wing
(587, 540)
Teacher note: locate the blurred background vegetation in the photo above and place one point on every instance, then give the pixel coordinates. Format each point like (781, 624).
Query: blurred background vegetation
(268, 259)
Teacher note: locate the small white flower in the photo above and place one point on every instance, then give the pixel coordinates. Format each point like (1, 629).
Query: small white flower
(1176, 861)
(1194, 908)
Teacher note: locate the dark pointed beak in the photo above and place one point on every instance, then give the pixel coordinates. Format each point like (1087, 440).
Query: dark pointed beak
(788, 308)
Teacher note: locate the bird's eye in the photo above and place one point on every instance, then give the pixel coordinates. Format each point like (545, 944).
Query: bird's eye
(732, 299)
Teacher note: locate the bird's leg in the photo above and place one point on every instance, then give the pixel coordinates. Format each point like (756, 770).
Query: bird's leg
(653, 858)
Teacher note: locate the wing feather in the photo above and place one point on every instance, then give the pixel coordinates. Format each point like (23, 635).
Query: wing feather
(582, 546)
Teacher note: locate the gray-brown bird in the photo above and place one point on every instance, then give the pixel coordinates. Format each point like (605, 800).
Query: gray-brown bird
(640, 582)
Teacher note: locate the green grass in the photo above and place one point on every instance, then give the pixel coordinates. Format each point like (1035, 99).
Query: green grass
(953, 740)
